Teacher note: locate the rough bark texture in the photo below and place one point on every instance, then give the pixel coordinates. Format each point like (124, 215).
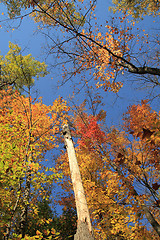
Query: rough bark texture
(83, 232)
(80, 199)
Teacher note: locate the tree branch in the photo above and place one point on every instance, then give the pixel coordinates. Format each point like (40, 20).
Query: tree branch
(124, 63)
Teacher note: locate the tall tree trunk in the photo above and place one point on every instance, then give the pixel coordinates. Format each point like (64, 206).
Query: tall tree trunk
(83, 232)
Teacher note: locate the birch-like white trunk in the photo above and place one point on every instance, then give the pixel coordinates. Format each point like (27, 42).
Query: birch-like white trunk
(80, 199)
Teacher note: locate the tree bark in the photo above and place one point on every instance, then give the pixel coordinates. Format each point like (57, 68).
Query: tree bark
(83, 233)
(84, 229)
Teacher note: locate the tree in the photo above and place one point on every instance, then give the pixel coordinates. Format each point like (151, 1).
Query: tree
(137, 9)
(105, 54)
(28, 130)
(120, 173)
(19, 70)
(59, 9)
(48, 222)
(84, 228)
(65, 224)
(41, 222)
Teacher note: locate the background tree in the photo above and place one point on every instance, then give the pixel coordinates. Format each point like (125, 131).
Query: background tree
(50, 223)
(27, 132)
(60, 9)
(137, 9)
(19, 70)
(66, 223)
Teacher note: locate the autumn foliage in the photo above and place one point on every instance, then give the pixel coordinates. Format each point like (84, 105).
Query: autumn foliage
(120, 172)
(119, 166)
(28, 131)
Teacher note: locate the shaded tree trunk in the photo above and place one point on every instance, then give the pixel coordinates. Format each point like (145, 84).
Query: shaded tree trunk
(83, 233)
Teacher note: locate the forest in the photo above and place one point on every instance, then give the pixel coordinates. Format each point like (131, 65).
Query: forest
(103, 57)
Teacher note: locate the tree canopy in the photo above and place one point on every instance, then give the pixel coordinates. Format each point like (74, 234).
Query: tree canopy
(27, 133)
(119, 165)
(19, 70)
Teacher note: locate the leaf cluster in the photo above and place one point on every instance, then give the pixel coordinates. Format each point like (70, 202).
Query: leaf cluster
(19, 70)
(137, 8)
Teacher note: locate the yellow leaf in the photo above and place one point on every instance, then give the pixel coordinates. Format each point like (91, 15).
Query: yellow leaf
(99, 34)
